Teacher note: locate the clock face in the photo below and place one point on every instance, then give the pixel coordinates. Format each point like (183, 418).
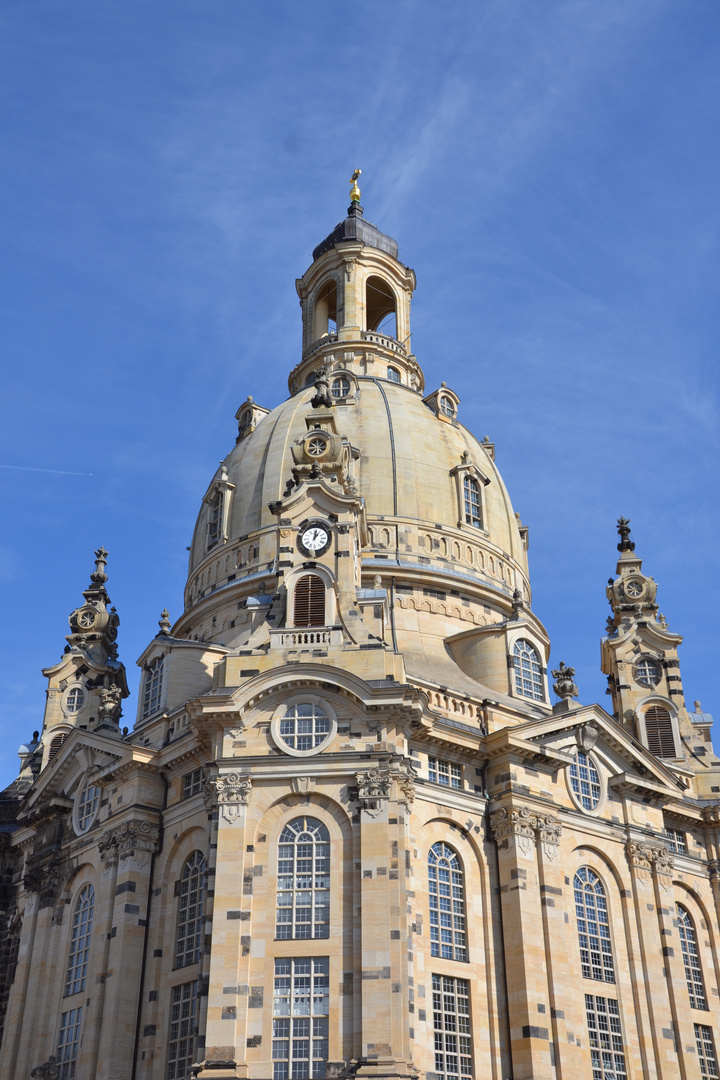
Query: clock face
(315, 538)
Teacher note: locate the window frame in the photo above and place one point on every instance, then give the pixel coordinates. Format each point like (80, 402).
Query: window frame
(692, 963)
(704, 1040)
(455, 908)
(70, 1020)
(591, 763)
(453, 1024)
(317, 1019)
(190, 927)
(319, 887)
(80, 941)
(177, 997)
(436, 767)
(594, 958)
(83, 824)
(293, 702)
(642, 710)
(615, 1044)
(153, 686)
(513, 664)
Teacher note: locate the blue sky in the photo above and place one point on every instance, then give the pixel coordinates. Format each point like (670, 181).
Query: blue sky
(550, 171)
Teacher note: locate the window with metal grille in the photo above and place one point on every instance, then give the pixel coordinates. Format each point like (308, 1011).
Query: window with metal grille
(706, 1051)
(444, 772)
(214, 525)
(447, 903)
(153, 686)
(647, 672)
(190, 889)
(528, 673)
(659, 732)
(691, 959)
(451, 1023)
(301, 1003)
(596, 958)
(303, 897)
(675, 841)
(80, 941)
(585, 781)
(473, 504)
(68, 1044)
(192, 783)
(87, 807)
(607, 1051)
(309, 601)
(340, 387)
(183, 1031)
(305, 726)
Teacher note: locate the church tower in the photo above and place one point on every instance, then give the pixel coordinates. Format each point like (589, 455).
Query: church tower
(350, 835)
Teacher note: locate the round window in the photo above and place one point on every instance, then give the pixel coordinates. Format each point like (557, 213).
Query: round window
(647, 672)
(585, 781)
(316, 446)
(303, 727)
(74, 699)
(340, 386)
(86, 806)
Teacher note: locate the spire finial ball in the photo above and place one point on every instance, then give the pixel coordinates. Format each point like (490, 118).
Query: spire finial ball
(354, 189)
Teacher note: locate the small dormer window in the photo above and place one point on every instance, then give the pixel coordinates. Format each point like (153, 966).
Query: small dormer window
(473, 502)
(153, 687)
(340, 386)
(528, 673)
(393, 375)
(447, 406)
(245, 422)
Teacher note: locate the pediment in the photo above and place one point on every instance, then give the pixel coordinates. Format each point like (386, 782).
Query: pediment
(631, 766)
(81, 754)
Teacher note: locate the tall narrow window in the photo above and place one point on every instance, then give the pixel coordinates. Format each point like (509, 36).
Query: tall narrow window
(596, 957)
(190, 889)
(55, 744)
(153, 686)
(214, 526)
(303, 898)
(183, 1031)
(706, 1052)
(473, 505)
(309, 605)
(451, 1023)
(301, 1003)
(659, 732)
(691, 959)
(68, 1043)
(447, 903)
(607, 1051)
(80, 941)
(528, 673)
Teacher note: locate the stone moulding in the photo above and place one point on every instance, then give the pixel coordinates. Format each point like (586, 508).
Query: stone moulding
(137, 839)
(646, 859)
(374, 785)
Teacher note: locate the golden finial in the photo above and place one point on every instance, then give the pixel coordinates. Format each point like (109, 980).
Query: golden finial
(355, 190)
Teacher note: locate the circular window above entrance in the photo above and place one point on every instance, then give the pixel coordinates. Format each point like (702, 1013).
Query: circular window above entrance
(303, 727)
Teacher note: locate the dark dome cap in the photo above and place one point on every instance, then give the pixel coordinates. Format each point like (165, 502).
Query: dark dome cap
(355, 228)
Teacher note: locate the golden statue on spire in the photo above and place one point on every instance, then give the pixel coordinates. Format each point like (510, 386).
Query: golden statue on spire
(355, 190)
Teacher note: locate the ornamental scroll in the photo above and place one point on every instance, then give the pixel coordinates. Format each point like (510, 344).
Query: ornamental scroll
(233, 792)
(645, 860)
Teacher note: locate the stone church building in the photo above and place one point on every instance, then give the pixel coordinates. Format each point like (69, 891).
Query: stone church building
(351, 831)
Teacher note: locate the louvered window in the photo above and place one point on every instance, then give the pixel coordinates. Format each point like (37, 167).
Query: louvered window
(659, 732)
(309, 607)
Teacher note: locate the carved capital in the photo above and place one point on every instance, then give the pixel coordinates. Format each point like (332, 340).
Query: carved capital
(373, 788)
(515, 829)
(646, 859)
(136, 839)
(233, 791)
(663, 866)
(45, 880)
(49, 1070)
(405, 775)
(548, 833)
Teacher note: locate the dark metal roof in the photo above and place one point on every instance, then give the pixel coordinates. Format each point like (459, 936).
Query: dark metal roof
(355, 228)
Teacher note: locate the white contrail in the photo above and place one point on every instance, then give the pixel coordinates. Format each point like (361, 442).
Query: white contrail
(57, 472)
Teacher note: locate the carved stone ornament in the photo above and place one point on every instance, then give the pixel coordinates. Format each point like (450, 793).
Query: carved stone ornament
(302, 785)
(49, 1070)
(406, 783)
(44, 880)
(373, 788)
(663, 866)
(522, 828)
(646, 859)
(323, 397)
(564, 685)
(110, 707)
(132, 840)
(233, 792)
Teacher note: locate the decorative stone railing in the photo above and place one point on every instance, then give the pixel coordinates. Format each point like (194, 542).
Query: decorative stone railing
(301, 638)
(386, 342)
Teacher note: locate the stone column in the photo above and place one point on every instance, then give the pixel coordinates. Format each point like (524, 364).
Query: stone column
(136, 841)
(386, 944)
(651, 1005)
(231, 1021)
(514, 828)
(18, 1003)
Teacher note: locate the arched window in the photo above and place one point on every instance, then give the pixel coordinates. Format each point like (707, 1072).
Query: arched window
(303, 897)
(214, 524)
(153, 686)
(340, 387)
(190, 889)
(659, 732)
(325, 321)
(596, 957)
(447, 903)
(528, 673)
(473, 504)
(393, 374)
(380, 307)
(309, 601)
(691, 959)
(55, 744)
(80, 941)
